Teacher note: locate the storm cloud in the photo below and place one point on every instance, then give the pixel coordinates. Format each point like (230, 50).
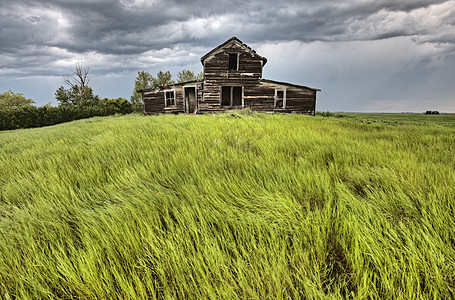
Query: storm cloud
(329, 44)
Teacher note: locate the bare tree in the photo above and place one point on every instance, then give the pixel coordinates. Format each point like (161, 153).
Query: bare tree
(79, 79)
(79, 92)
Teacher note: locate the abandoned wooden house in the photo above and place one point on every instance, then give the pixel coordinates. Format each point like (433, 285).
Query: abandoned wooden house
(232, 80)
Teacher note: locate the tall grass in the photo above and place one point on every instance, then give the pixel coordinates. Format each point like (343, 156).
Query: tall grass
(231, 206)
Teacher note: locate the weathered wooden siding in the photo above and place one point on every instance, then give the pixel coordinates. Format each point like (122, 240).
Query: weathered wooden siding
(298, 99)
(257, 97)
(301, 101)
(217, 74)
(154, 99)
(257, 94)
(153, 102)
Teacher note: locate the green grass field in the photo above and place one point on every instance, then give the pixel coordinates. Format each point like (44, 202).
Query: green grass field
(230, 206)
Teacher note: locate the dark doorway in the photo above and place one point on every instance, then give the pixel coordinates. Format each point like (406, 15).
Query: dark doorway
(190, 100)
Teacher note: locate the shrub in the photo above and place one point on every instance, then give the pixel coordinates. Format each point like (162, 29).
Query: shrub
(430, 112)
(120, 105)
(31, 116)
(328, 114)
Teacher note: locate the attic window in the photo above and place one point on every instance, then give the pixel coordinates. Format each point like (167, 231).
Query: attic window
(169, 98)
(233, 61)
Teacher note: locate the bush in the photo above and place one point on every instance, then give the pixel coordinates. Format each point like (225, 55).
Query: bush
(31, 116)
(434, 112)
(119, 105)
(328, 114)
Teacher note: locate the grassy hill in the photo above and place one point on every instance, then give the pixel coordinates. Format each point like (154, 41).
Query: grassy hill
(231, 206)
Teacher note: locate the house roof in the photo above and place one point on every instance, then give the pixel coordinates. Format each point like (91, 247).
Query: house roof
(186, 82)
(165, 87)
(288, 84)
(227, 42)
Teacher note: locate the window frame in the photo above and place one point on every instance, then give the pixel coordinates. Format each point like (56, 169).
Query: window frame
(276, 98)
(231, 100)
(166, 104)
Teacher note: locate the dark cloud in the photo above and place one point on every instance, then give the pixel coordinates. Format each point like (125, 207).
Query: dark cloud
(131, 27)
(44, 37)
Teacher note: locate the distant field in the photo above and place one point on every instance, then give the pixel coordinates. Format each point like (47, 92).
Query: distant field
(401, 118)
(230, 206)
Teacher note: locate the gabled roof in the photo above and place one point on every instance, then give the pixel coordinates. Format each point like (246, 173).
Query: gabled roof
(227, 42)
(288, 84)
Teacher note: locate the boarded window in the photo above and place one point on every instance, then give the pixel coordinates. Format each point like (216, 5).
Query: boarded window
(233, 62)
(280, 99)
(231, 96)
(169, 98)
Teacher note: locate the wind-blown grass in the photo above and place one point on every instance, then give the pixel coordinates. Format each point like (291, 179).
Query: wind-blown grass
(227, 206)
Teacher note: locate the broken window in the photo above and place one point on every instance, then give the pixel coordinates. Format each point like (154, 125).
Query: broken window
(231, 96)
(169, 99)
(280, 98)
(233, 62)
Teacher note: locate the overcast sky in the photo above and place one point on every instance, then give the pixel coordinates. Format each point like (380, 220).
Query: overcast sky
(365, 55)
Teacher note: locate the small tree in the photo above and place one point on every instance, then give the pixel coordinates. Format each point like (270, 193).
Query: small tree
(73, 97)
(163, 79)
(10, 100)
(143, 81)
(187, 75)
